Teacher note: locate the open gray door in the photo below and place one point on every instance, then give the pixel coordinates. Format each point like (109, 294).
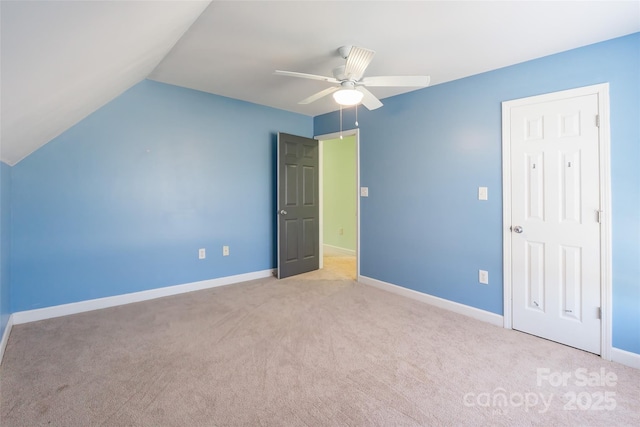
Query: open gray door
(298, 205)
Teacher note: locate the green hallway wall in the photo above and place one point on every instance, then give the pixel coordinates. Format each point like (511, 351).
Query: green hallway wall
(339, 192)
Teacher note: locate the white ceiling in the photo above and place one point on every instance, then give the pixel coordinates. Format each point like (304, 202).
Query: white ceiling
(60, 61)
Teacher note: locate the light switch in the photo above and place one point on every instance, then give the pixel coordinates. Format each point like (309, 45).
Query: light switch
(483, 193)
(483, 277)
(364, 191)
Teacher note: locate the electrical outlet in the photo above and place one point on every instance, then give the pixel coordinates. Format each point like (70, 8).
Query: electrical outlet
(225, 251)
(341, 231)
(202, 253)
(483, 277)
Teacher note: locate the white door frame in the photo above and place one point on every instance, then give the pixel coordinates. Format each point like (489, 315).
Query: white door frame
(602, 90)
(321, 139)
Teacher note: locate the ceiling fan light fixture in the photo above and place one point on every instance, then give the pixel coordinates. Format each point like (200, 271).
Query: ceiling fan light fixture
(348, 96)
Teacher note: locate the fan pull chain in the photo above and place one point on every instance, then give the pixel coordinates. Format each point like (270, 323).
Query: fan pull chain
(356, 115)
(341, 121)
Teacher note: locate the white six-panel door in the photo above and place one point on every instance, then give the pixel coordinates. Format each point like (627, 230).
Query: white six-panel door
(555, 216)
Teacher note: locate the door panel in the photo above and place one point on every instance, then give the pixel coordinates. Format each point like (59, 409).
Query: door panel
(535, 186)
(298, 208)
(570, 190)
(291, 243)
(535, 276)
(310, 241)
(571, 281)
(291, 185)
(310, 186)
(555, 199)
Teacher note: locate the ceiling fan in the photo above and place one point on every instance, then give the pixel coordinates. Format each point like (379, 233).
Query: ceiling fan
(350, 83)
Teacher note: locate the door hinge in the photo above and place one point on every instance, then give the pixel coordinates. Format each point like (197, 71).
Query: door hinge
(598, 120)
(599, 216)
(599, 313)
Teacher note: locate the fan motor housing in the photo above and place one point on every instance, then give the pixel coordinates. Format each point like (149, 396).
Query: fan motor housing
(348, 84)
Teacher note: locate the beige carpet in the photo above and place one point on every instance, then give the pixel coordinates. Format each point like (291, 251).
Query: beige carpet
(308, 351)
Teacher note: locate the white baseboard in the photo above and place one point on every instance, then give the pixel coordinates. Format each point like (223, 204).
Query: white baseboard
(625, 358)
(476, 313)
(99, 303)
(338, 250)
(5, 337)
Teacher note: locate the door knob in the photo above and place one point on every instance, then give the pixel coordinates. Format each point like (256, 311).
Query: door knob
(283, 212)
(517, 229)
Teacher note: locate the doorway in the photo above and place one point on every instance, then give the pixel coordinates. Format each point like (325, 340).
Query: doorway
(339, 204)
(556, 196)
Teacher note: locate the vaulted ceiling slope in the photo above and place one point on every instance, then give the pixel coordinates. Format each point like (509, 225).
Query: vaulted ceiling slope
(62, 60)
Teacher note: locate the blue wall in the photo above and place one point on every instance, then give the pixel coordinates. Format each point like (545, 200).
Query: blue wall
(122, 201)
(424, 155)
(5, 244)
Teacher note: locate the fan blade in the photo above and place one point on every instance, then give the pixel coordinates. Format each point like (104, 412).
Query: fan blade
(357, 62)
(408, 81)
(319, 95)
(306, 76)
(369, 100)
